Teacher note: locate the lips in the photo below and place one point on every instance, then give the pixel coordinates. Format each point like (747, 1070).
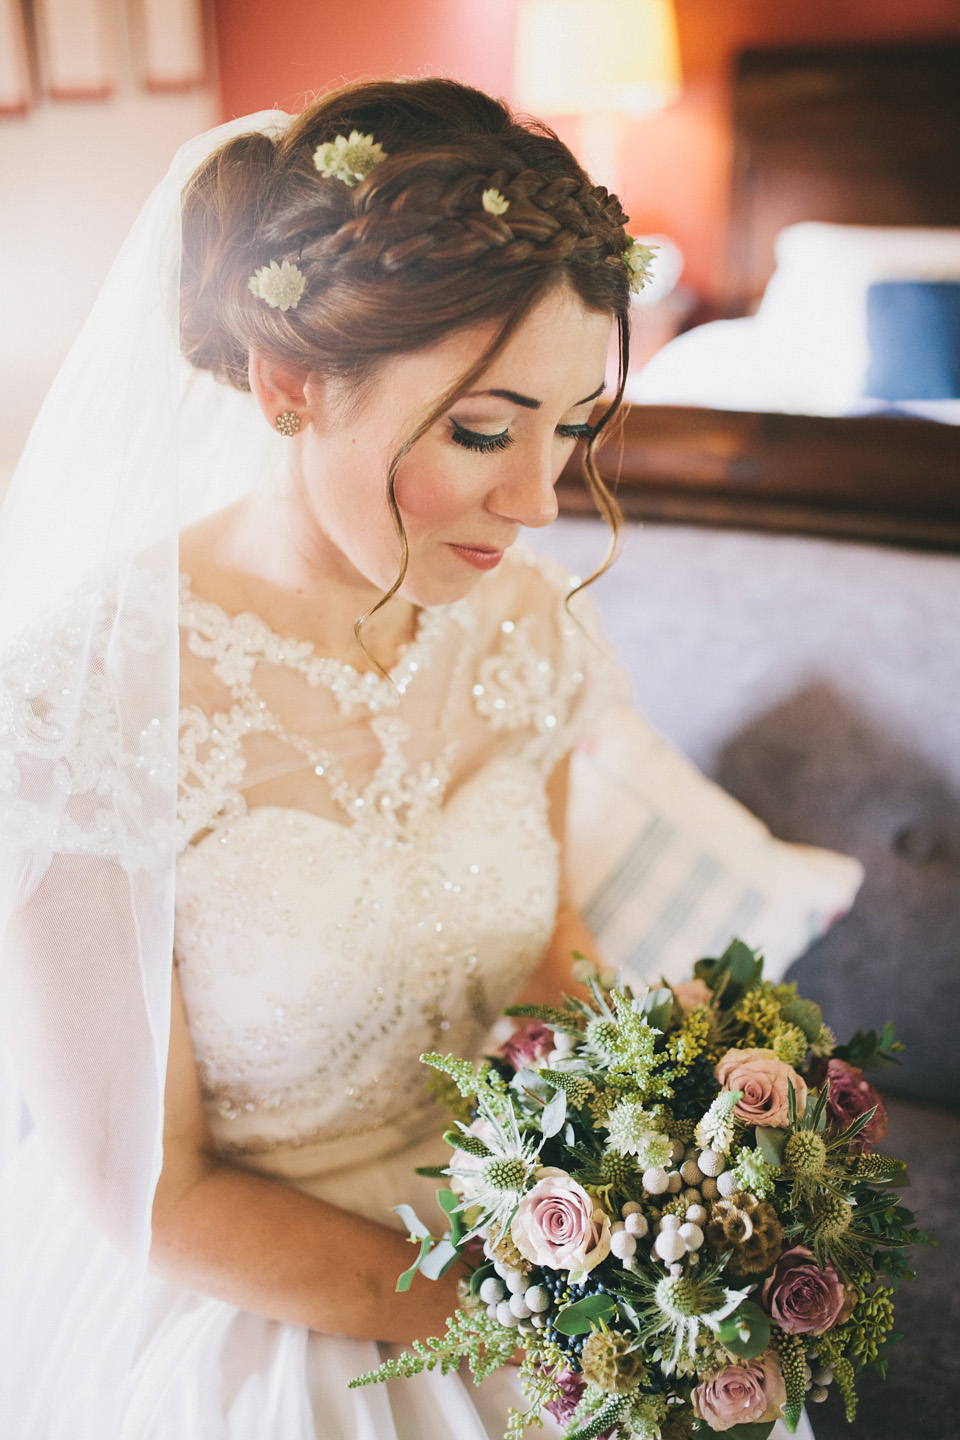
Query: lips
(481, 557)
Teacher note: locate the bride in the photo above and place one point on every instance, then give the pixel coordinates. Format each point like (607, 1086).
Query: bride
(347, 832)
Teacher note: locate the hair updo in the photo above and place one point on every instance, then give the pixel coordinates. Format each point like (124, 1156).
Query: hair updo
(404, 258)
(399, 261)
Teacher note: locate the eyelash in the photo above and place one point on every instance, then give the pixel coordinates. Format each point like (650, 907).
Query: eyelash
(487, 444)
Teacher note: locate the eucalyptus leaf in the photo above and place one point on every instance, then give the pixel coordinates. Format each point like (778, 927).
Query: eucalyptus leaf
(554, 1114)
(746, 1332)
(406, 1279)
(741, 962)
(439, 1260)
(579, 1318)
(658, 1008)
(449, 1202)
(409, 1217)
(771, 1142)
(807, 1015)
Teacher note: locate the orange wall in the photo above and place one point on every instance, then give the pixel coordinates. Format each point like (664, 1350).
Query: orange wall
(675, 165)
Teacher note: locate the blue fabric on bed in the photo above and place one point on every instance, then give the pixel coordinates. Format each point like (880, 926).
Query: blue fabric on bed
(913, 330)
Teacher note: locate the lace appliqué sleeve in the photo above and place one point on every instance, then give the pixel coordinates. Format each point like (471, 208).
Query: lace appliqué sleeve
(74, 775)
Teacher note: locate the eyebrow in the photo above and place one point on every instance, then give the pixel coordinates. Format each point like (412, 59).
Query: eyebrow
(527, 401)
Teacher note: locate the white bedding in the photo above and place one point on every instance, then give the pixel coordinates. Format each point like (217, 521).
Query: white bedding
(805, 351)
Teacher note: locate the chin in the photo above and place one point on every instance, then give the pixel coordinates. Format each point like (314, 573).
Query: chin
(443, 582)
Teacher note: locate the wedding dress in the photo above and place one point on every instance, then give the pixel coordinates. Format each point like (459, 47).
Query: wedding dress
(366, 871)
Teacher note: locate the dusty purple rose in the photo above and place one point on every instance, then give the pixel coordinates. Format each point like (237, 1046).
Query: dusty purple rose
(800, 1297)
(742, 1394)
(850, 1096)
(528, 1044)
(572, 1387)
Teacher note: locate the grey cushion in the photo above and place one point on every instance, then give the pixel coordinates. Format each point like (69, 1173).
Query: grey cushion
(814, 770)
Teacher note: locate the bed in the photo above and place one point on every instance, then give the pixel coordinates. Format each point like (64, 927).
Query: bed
(824, 400)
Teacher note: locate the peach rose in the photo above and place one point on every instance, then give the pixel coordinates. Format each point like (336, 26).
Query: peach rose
(559, 1225)
(693, 993)
(746, 1394)
(764, 1080)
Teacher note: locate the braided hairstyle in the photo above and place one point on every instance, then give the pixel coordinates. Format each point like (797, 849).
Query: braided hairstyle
(405, 257)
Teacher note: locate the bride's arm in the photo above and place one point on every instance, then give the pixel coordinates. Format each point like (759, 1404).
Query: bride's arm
(266, 1247)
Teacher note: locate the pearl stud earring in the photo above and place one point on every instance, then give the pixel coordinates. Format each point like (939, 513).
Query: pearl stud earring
(287, 422)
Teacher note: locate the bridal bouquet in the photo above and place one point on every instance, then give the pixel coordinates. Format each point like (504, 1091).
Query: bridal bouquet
(671, 1203)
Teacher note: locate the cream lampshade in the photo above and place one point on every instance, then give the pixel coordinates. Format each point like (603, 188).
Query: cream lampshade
(599, 59)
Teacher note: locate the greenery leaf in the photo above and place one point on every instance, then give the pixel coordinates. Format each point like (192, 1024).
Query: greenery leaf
(438, 1261)
(771, 1142)
(748, 1432)
(415, 1225)
(554, 1114)
(578, 1318)
(807, 1015)
(550, 1015)
(658, 1008)
(406, 1279)
(746, 1332)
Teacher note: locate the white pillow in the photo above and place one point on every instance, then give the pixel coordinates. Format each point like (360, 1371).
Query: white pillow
(813, 315)
(666, 867)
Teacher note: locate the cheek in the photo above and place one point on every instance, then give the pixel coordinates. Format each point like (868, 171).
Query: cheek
(432, 494)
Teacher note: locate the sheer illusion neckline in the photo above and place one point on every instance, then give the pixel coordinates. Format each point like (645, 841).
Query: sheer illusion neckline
(245, 639)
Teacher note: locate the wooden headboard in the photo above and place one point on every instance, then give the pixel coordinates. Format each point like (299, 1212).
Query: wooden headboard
(866, 135)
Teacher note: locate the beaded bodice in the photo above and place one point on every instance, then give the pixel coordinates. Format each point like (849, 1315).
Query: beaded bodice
(367, 868)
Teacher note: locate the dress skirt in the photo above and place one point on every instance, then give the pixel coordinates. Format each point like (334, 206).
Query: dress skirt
(73, 1317)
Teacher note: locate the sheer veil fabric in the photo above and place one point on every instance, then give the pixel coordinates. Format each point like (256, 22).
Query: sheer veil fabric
(129, 447)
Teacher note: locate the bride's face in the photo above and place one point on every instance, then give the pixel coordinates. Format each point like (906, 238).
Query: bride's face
(485, 469)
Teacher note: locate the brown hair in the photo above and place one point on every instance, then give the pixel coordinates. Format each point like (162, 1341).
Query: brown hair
(399, 261)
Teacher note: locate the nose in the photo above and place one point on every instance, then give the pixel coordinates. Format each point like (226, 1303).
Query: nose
(527, 495)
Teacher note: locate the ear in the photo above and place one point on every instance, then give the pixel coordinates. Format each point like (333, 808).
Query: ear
(278, 388)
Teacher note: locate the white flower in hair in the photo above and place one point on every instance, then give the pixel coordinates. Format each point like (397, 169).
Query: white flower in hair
(494, 203)
(280, 285)
(348, 158)
(638, 259)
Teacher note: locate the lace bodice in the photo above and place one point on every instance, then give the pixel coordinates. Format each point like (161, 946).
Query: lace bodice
(367, 869)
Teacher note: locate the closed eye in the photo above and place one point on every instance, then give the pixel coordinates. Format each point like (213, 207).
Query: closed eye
(475, 440)
(576, 432)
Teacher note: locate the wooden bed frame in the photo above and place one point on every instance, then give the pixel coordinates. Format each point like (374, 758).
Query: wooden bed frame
(858, 135)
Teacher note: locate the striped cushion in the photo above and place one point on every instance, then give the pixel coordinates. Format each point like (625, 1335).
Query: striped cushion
(666, 867)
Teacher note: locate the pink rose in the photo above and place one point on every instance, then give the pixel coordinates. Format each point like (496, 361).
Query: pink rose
(764, 1080)
(744, 1394)
(800, 1297)
(559, 1225)
(693, 993)
(528, 1044)
(851, 1096)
